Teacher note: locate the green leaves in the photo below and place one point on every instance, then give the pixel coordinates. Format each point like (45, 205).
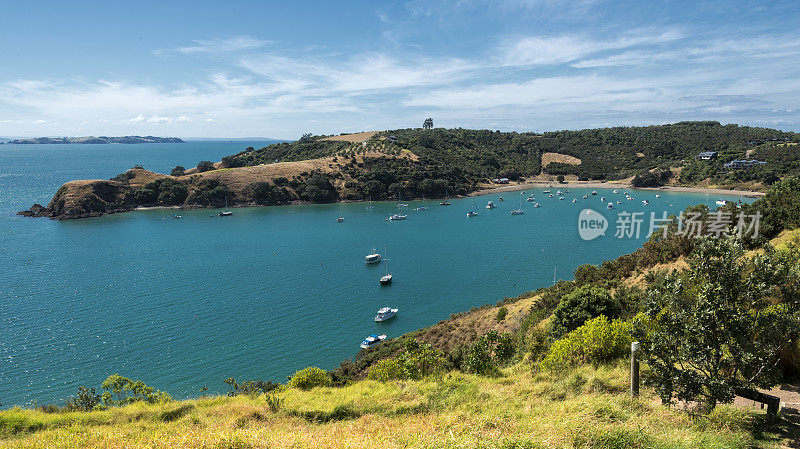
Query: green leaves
(121, 391)
(721, 324)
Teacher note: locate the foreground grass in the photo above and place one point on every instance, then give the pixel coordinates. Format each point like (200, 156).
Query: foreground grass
(586, 408)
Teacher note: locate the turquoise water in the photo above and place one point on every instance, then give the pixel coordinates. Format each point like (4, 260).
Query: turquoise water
(183, 304)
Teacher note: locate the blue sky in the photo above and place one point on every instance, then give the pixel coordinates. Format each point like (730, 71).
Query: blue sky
(279, 69)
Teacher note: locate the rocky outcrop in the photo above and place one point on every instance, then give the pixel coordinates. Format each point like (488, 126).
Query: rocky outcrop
(81, 199)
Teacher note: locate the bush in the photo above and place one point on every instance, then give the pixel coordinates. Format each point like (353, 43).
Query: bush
(501, 314)
(583, 304)
(121, 390)
(87, 399)
(250, 387)
(597, 341)
(385, 370)
(205, 166)
(178, 171)
(489, 352)
(308, 378)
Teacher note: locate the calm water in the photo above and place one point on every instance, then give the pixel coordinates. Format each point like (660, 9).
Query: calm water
(183, 304)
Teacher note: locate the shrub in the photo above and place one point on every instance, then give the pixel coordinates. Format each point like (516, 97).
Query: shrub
(121, 390)
(178, 171)
(385, 370)
(87, 399)
(250, 387)
(489, 352)
(308, 378)
(501, 314)
(597, 341)
(419, 359)
(580, 305)
(274, 403)
(205, 166)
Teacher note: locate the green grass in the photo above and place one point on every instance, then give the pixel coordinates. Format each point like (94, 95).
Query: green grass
(520, 409)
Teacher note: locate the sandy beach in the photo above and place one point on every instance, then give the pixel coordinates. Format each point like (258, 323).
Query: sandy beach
(610, 185)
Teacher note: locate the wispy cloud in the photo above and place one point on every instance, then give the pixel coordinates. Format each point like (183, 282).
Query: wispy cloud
(234, 44)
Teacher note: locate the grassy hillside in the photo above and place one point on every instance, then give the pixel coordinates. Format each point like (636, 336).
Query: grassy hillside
(517, 409)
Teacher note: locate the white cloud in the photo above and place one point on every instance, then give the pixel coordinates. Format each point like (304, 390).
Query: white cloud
(229, 45)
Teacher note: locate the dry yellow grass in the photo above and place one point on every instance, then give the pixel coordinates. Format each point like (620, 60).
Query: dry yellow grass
(354, 138)
(548, 158)
(586, 408)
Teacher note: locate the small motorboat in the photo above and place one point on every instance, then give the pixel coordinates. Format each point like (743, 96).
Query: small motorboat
(402, 205)
(444, 203)
(546, 191)
(645, 202)
(385, 313)
(531, 199)
(594, 192)
(176, 216)
(619, 202)
(500, 199)
(550, 196)
(372, 341)
(472, 213)
(398, 217)
(658, 196)
(558, 192)
(616, 191)
(574, 200)
(372, 258)
(566, 190)
(536, 205)
(585, 196)
(602, 198)
(518, 211)
(340, 219)
(560, 198)
(721, 202)
(610, 205)
(225, 213)
(490, 205)
(421, 208)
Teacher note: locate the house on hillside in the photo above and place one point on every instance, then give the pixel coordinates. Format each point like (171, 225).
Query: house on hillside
(707, 155)
(744, 163)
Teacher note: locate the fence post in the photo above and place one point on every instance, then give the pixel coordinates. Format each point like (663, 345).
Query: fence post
(635, 368)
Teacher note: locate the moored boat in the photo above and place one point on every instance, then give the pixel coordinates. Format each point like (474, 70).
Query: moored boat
(385, 313)
(372, 341)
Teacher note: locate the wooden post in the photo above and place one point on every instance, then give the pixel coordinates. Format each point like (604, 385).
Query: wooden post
(634, 369)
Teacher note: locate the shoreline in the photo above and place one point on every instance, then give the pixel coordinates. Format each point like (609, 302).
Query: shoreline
(612, 185)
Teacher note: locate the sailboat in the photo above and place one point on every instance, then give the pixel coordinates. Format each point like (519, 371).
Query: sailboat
(446, 198)
(473, 212)
(424, 205)
(225, 213)
(370, 206)
(387, 278)
(518, 211)
(341, 217)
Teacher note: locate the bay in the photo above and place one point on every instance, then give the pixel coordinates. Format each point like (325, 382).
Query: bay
(183, 304)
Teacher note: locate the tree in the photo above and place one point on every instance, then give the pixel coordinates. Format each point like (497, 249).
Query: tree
(178, 171)
(583, 304)
(720, 325)
(205, 166)
(428, 123)
(560, 178)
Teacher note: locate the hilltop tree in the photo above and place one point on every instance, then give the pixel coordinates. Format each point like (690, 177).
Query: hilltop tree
(178, 171)
(428, 124)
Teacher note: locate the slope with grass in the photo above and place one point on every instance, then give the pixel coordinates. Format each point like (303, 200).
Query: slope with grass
(517, 409)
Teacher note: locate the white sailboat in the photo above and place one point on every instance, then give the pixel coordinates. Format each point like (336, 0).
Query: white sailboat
(387, 278)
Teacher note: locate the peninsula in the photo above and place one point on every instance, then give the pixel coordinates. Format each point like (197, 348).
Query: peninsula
(97, 140)
(432, 163)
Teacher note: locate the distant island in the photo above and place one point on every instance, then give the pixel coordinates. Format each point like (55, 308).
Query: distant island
(97, 140)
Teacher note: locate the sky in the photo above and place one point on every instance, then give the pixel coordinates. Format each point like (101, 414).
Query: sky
(281, 69)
